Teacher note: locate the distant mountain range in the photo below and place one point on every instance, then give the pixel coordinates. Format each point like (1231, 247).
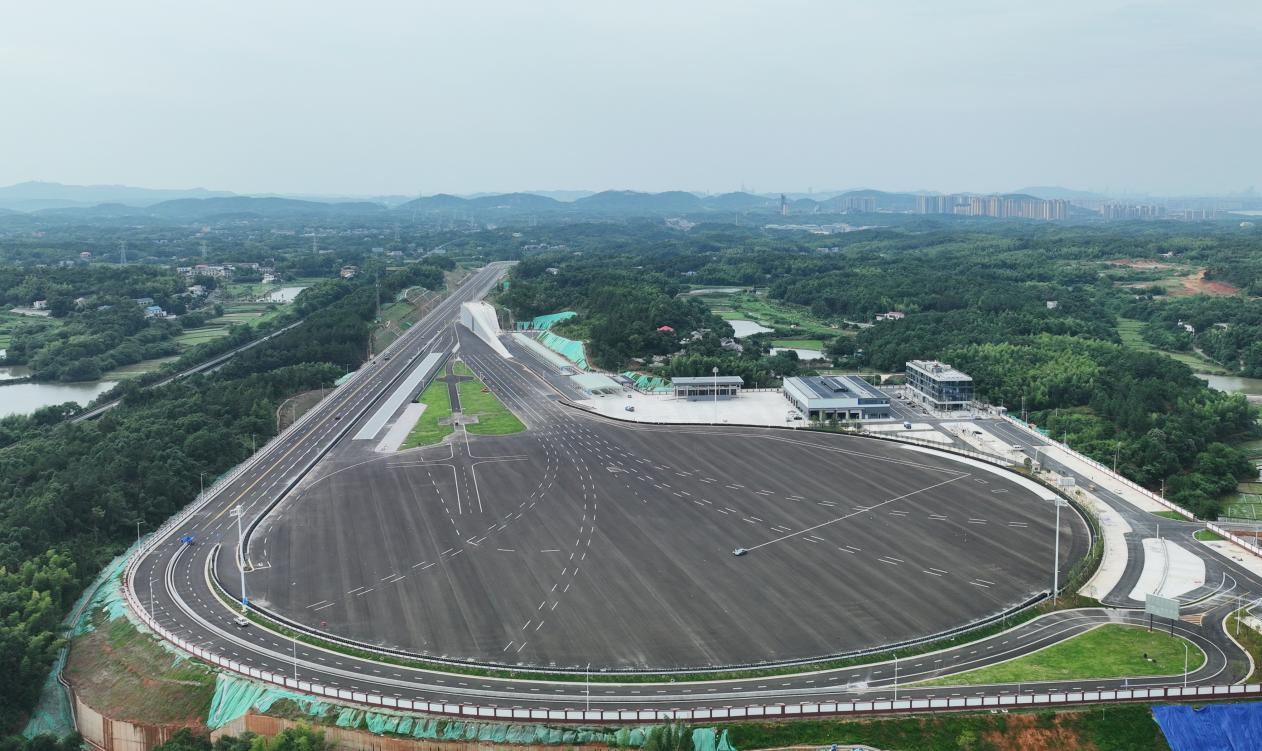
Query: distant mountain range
(34, 196)
(53, 201)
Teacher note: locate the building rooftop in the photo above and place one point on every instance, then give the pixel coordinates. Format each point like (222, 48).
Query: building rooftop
(939, 370)
(708, 380)
(836, 387)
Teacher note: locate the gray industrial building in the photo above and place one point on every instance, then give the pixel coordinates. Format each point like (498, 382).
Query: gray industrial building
(847, 398)
(938, 385)
(705, 387)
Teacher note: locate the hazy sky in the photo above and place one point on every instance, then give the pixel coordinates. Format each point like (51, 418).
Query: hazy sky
(462, 96)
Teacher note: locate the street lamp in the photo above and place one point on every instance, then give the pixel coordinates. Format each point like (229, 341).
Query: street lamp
(1185, 663)
(201, 484)
(239, 512)
(716, 394)
(1056, 547)
(138, 529)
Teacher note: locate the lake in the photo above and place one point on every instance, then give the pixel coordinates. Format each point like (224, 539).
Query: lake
(25, 398)
(747, 328)
(283, 295)
(1233, 384)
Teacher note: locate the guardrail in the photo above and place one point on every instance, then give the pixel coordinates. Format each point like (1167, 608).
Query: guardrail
(1097, 465)
(804, 709)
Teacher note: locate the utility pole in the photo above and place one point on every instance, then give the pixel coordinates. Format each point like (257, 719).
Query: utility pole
(589, 687)
(1117, 450)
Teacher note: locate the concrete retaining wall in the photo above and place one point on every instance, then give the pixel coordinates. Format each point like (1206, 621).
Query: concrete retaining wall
(117, 735)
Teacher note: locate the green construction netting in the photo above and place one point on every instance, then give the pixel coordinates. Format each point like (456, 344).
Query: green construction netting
(725, 744)
(543, 323)
(236, 696)
(53, 713)
(647, 382)
(567, 348)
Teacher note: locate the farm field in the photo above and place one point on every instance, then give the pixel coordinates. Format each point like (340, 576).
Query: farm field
(1128, 330)
(785, 318)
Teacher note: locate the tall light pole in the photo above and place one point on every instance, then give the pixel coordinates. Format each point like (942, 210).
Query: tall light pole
(201, 484)
(1185, 663)
(1056, 564)
(239, 512)
(138, 529)
(716, 394)
(895, 677)
(1116, 451)
(588, 676)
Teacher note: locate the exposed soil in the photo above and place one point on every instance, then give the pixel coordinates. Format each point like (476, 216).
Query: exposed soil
(1197, 284)
(127, 675)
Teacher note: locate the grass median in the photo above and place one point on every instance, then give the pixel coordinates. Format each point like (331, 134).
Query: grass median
(427, 431)
(1112, 651)
(493, 417)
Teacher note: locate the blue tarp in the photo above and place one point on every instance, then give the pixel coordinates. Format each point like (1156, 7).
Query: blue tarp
(1215, 727)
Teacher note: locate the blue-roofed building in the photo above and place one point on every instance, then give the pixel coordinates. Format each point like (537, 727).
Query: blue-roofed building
(847, 398)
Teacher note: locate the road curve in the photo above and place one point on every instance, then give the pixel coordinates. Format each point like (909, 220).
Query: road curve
(170, 585)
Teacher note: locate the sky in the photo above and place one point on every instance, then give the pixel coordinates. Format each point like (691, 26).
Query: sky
(376, 97)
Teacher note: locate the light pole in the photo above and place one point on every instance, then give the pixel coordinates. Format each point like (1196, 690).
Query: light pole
(239, 512)
(895, 677)
(1116, 451)
(1185, 663)
(588, 676)
(138, 529)
(716, 394)
(1056, 564)
(201, 484)
(295, 643)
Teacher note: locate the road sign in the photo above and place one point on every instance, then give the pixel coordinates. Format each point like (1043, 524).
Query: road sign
(1162, 607)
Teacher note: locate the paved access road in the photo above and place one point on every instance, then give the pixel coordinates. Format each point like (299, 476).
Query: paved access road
(172, 580)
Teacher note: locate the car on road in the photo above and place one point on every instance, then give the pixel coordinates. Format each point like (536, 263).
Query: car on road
(630, 408)
(387, 357)
(338, 416)
(1018, 447)
(739, 552)
(906, 425)
(240, 621)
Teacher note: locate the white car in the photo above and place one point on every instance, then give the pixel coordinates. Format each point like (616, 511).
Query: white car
(1018, 447)
(240, 621)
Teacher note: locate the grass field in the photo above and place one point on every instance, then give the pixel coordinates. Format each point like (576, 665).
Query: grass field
(194, 337)
(427, 431)
(799, 343)
(1170, 515)
(1128, 330)
(1207, 535)
(493, 417)
(1111, 651)
(137, 368)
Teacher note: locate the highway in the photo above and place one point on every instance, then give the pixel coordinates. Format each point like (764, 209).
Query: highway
(174, 582)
